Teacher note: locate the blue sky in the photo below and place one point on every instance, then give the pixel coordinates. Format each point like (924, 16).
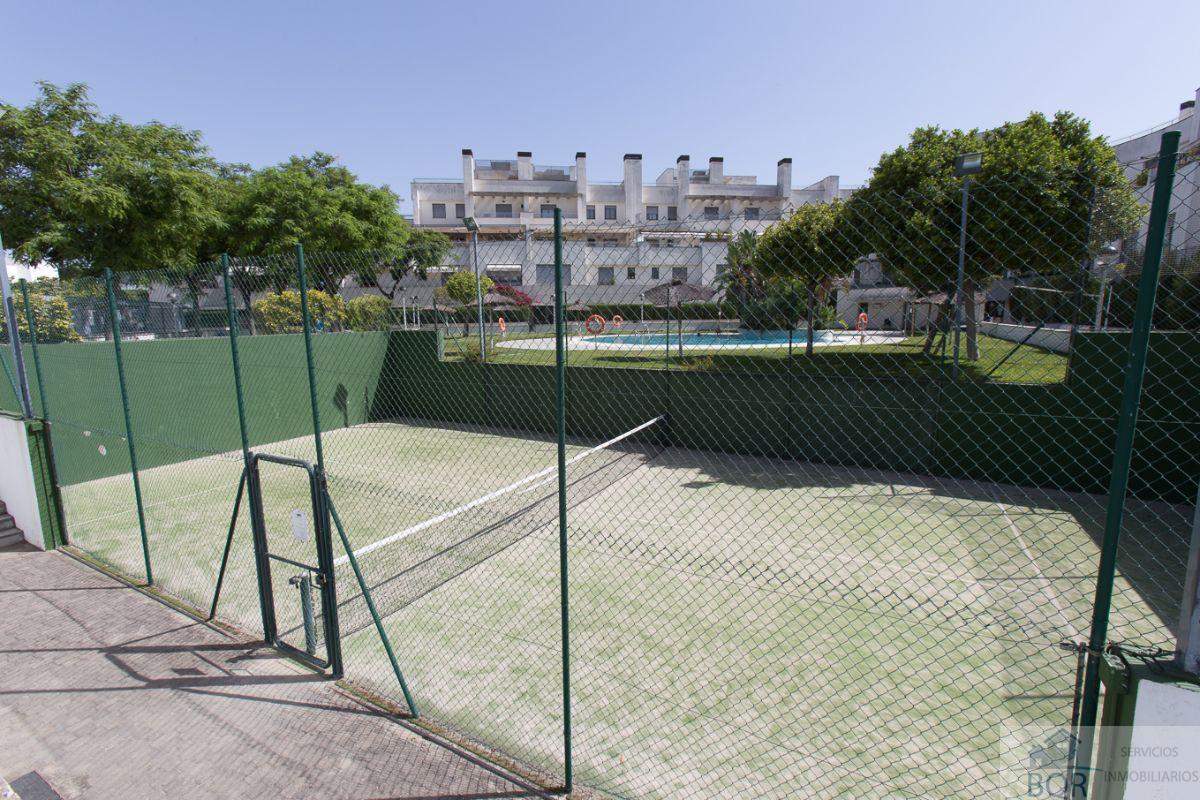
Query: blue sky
(396, 89)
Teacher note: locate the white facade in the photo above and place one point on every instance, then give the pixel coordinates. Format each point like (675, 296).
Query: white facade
(1138, 154)
(621, 237)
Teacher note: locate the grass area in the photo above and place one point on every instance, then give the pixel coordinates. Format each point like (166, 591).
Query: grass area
(1000, 361)
(740, 626)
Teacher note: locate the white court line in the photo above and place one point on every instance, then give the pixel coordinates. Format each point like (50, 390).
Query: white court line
(1045, 581)
(404, 534)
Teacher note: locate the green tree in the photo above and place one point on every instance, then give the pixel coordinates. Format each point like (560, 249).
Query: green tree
(461, 287)
(51, 314)
(424, 250)
(814, 247)
(740, 278)
(1050, 194)
(86, 191)
(312, 201)
(369, 312)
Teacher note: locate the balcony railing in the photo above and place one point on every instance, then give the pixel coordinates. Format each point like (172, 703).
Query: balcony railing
(542, 173)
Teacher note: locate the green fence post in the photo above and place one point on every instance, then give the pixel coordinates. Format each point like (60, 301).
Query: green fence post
(59, 515)
(1135, 370)
(308, 356)
(257, 535)
(560, 390)
(334, 646)
(115, 322)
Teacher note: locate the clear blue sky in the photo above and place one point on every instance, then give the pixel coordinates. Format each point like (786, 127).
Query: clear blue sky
(396, 89)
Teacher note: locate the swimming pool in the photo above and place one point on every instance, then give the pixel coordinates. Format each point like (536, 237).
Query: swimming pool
(711, 339)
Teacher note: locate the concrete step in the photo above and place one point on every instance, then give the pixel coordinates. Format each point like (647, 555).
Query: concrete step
(9, 532)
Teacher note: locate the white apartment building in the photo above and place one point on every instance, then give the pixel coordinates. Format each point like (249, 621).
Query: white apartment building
(1138, 154)
(620, 237)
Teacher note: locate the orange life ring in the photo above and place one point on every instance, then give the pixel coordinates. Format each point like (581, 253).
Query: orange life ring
(862, 321)
(617, 320)
(503, 325)
(594, 324)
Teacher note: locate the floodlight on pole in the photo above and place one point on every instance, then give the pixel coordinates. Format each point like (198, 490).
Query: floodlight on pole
(965, 166)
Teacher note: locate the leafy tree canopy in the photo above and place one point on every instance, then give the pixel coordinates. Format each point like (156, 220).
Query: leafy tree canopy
(1049, 195)
(82, 190)
(423, 250)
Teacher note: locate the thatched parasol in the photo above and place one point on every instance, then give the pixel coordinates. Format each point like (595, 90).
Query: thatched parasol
(494, 298)
(677, 292)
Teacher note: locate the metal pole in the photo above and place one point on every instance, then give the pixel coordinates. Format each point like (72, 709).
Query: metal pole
(962, 257)
(14, 336)
(366, 592)
(308, 356)
(237, 502)
(33, 344)
(115, 322)
(478, 295)
(43, 395)
(1135, 370)
(266, 603)
(560, 387)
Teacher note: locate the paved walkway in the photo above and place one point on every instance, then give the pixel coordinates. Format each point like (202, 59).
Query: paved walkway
(108, 693)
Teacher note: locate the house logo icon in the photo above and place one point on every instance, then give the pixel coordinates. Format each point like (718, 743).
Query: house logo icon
(1051, 771)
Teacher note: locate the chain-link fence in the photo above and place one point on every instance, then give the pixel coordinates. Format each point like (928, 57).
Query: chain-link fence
(826, 516)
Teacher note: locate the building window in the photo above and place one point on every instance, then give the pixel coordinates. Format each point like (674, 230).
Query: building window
(606, 276)
(751, 212)
(503, 209)
(630, 274)
(651, 213)
(460, 211)
(504, 274)
(672, 212)
(547, 210)
(591, 212)
(679, 273)
(654, 274)
(545, 274)
(439, 210)
(610, 212)
(711, 212)
(863, 308)
(591, 242)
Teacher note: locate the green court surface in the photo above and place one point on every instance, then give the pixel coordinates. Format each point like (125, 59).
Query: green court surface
(740, 626)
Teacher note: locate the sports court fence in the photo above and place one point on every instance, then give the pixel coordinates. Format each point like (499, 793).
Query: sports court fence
(709, 507)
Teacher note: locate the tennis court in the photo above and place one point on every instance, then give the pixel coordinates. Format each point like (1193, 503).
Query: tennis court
(741, 626)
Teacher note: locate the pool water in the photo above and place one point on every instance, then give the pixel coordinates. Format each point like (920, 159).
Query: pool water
(707, 339)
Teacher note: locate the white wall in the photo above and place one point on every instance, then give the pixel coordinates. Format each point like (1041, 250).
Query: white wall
(1056, 339)
(16, 480)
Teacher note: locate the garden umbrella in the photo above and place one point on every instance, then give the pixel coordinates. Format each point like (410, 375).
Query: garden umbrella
(676, 293)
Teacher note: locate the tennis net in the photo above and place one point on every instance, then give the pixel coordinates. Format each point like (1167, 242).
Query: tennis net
(402, 567)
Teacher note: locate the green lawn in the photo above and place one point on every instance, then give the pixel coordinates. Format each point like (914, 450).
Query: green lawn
(997, 362)
(741, 627)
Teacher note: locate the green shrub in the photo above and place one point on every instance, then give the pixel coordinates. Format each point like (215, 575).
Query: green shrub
(368, 312)
(280, 312)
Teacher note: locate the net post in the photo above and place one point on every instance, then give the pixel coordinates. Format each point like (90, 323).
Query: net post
(256, 534)
(115, 322)
(1135, 370)
(560, 392)
(59, 515)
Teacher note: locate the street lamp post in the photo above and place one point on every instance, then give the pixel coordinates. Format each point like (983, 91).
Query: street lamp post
(473, 227)
(965, 166)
